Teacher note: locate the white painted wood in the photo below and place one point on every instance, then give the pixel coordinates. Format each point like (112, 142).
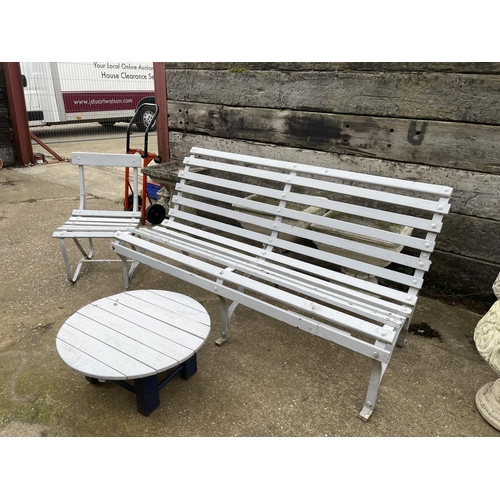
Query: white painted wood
(111, 339)
(301, 321)
(106, 159)
(106, 213)
(299, 167)
(394, 217)
(330, 240)
(85, 364)
(106, 354)
(125, 329)
(282, 265)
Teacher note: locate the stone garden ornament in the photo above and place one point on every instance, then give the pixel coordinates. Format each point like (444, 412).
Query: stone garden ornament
(487, 339)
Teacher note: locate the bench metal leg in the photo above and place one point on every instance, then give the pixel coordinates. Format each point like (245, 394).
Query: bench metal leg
(227, 310)
(146, 392)
(404, 332)
(127, 272)
(378, 369)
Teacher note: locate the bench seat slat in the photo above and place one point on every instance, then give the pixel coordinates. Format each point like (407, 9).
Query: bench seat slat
(316, 309)
(315, 289)
(175, 231)
(290, 317)
(348, 285)
(106, 213)
(250, 263)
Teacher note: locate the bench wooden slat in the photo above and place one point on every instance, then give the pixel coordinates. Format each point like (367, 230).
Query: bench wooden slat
(314, 170)
(313, 326)
(308, 271)
(366, 249)
(252, 265)
(224, 275)
(362, 304)
(329, 257)
(372, 213)
(317, 184)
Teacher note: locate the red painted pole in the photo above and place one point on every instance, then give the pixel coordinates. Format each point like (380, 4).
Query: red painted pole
(17, 112)
(162, 118)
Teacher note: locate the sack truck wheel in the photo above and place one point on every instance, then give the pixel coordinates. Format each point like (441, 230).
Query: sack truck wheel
(156, 213)
(131, 201)
(145, 117)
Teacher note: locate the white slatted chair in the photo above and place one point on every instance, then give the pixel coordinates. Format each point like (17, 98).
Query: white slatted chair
(90, 224)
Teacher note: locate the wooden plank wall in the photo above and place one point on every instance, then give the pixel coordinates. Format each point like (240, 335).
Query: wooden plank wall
(7, 151)
(436, 122)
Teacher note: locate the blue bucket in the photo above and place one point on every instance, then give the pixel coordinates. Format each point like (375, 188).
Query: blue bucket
(152, 190)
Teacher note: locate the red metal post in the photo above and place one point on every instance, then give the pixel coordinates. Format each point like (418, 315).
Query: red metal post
(162, 118)
(17, 111)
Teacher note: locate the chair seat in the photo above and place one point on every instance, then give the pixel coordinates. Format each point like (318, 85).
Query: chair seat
(97, 223)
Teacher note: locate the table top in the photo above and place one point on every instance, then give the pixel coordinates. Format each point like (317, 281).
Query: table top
(133, 334)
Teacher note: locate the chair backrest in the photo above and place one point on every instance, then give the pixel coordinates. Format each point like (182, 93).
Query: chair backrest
(83, 159)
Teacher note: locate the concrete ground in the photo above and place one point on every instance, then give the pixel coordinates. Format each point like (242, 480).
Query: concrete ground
(268, 380)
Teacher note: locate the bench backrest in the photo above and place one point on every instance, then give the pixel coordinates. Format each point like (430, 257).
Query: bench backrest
(314, 218)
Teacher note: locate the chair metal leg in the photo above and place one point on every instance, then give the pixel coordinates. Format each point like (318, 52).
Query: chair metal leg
(86, 257)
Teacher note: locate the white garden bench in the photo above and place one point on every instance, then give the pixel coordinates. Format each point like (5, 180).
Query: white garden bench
(317, 248)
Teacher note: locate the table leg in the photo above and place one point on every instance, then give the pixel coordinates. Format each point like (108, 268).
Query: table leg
(190, 366)
(146, 392)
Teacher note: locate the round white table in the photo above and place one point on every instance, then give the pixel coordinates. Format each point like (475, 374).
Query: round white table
(135, 335)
